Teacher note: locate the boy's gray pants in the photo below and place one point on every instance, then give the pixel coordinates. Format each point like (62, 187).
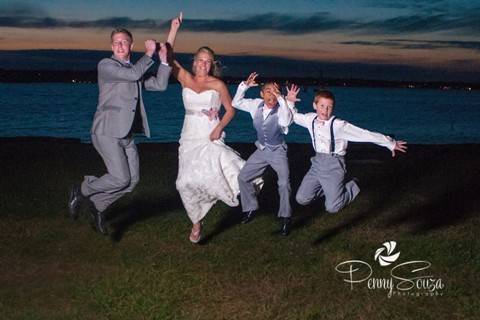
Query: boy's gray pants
(326, 177)
(254, 168)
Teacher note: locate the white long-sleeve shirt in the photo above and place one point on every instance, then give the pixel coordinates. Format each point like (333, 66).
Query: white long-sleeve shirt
(343, 132)
(285, 116)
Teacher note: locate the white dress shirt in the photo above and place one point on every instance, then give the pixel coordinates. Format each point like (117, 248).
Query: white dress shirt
(343, 132)
(285, 116)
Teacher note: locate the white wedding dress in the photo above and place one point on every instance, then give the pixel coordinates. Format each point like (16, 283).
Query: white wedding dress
(207, 170)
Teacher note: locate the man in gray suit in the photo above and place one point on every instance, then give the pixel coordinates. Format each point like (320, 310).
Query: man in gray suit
(120, 114)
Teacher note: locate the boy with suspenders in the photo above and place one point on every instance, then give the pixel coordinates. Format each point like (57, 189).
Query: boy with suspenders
(330, 137)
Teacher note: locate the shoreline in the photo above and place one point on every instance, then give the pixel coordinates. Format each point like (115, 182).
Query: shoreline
(8, 76)
(355, 145)
(23, 151)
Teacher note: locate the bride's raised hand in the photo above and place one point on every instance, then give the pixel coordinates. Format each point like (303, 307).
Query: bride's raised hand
(177, 22)
(174, 26)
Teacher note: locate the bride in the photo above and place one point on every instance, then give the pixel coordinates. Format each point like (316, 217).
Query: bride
(208, 168)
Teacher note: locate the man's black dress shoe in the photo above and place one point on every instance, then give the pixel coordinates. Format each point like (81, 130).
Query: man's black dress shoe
(285, 230)
(247, 217)
(74, 200)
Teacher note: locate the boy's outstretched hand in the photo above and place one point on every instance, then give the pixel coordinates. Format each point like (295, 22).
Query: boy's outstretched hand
(250, 82)
(276, 90)
(292, 93)
(399, 146)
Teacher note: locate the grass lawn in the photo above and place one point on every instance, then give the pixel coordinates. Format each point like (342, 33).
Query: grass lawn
(50, 268)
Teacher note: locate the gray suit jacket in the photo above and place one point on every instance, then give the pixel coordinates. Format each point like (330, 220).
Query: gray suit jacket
(120, 88)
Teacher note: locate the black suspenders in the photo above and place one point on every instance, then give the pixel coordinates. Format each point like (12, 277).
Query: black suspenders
(313, 134)
(332, 136)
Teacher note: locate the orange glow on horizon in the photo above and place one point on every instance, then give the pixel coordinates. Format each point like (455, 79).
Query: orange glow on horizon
(323, 47)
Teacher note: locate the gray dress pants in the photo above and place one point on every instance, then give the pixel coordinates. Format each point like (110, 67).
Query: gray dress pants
(326, 177)
(121, 159)
(254, 168)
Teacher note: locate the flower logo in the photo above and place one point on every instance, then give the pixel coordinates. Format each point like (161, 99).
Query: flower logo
(389, 258)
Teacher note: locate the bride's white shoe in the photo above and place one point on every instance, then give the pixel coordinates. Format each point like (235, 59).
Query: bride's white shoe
(196, 235)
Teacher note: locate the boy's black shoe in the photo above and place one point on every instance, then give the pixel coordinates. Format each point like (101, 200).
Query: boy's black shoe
(74, 200)
(248, 217)
(285, 230)
(99, 221)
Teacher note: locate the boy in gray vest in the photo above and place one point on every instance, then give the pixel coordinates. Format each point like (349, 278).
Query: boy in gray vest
(330, 137)
(271, 118)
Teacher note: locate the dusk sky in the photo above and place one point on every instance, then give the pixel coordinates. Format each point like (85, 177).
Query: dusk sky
(425, 33)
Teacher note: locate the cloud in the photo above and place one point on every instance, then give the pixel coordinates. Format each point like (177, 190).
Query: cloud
(30, 22)
(288, 24)
(19, 10)
(118, 21)
(422, 21)
(418, 44)
(406, 24)
(425, 23)
(405, 4)
(279, 23)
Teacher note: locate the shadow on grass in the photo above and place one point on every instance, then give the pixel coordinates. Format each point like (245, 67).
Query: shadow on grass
(383, 186)
(435, 194)
(231, 218)
(453, 205)
(120, 219)
(353, 221)
(268, 201)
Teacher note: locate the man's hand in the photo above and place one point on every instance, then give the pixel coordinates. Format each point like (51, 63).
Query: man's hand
(250, 82)
(150, 46)
(292, 93)
(399, 146)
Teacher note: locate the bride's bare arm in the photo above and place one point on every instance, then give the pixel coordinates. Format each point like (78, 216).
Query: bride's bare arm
(174, 26)
(178, 71)
(229, 111)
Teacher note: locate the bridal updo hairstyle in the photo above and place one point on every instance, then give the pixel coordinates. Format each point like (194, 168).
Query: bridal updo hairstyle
(216, 68)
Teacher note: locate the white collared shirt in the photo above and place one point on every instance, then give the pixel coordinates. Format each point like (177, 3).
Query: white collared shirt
(343, 132)
(285, 116)
(266, 111)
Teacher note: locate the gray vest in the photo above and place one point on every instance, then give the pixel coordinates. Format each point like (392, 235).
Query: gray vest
(269, 132)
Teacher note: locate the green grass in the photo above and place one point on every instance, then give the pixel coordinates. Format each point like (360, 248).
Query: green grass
(51, 268)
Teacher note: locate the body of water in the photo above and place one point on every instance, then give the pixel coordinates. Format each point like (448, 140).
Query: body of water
(421, 116)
